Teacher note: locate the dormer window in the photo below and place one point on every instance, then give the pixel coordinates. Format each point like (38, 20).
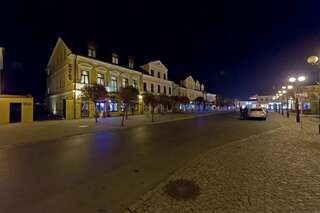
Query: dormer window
(115, 58)
(92, 53)
(131, 62)
(91, 49)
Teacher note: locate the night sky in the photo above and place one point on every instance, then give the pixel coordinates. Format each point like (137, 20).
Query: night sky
(236, 48)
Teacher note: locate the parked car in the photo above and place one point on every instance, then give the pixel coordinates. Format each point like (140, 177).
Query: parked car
(257, 113)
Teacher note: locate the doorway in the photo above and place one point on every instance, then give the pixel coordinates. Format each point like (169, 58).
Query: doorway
(15, 112)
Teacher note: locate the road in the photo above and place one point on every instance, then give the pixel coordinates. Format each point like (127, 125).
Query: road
(108, 171)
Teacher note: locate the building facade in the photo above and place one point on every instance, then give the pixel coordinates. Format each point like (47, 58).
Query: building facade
(68, 72)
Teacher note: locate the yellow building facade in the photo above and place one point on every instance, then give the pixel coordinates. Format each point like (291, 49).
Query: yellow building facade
(68, 73)
(15, 108)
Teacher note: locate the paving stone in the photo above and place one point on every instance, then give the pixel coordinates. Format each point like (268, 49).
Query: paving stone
(277, 171)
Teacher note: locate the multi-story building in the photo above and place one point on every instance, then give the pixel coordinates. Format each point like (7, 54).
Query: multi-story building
(69, 70)
(155, 79)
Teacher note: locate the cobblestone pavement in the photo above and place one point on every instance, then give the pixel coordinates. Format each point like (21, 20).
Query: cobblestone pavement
(277, 171)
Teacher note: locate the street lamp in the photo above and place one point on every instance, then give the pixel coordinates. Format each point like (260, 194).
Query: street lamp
(314, 60)
(296, 81)
(284, 91)
(289, 87)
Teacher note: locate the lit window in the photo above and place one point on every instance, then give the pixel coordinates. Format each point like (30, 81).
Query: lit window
(115, 58)
(113, 106)
(134, 84)
(100, 79)
(84, 79)
(113, 84)
(125, 82)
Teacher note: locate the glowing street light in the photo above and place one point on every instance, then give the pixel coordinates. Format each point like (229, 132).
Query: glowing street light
(296, 80)
(314, 60)
(290, 87)
(292, 79)
(301, 78)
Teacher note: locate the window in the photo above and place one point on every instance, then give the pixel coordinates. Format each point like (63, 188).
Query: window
(152, 72)
(159, 89)
(125, 82)
(158, 74)
(115, 58)
(100, 106)
(113, 106)
(144, 86)
(152, 88)
(84, 79)
(164, 76)
(169, 90)
(165, 90)
(100, 79)
(84, 108)
(134, 83)
(113, 84)
(91, 52)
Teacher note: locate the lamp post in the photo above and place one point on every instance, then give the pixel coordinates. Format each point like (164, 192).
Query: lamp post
(289, 87)
(314, 60)
(281, 103)
(296, 80)
(284, 92)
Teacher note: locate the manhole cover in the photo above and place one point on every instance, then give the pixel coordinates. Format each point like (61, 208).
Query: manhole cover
(182, 189)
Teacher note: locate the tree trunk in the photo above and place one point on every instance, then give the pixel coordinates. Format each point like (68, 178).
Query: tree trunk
(122, 121)
(95, 112)
(152, 114)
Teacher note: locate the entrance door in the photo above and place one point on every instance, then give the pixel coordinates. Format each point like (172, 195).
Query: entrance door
(65, 108)
(15, 112)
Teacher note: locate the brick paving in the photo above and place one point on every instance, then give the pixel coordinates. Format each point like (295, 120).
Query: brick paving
(277, 171)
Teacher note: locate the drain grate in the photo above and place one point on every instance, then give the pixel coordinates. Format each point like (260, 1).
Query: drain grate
(182, 189)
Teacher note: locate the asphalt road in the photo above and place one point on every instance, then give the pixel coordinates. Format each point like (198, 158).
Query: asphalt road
(108, 171)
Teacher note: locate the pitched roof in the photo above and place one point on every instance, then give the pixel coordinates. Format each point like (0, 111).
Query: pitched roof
(104, 51)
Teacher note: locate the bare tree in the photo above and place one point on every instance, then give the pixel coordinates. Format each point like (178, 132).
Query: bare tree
(151, 100)
(94, 93)
(128, 96)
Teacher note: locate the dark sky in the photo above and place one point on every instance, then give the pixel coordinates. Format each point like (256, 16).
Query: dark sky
(237, 48)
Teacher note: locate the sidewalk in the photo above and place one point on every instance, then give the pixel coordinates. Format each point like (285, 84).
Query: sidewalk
(277, 171)
(20, 133)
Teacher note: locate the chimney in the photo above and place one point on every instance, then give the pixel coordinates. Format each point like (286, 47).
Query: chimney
(92, 47)
(131, 62)
(115, 58)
